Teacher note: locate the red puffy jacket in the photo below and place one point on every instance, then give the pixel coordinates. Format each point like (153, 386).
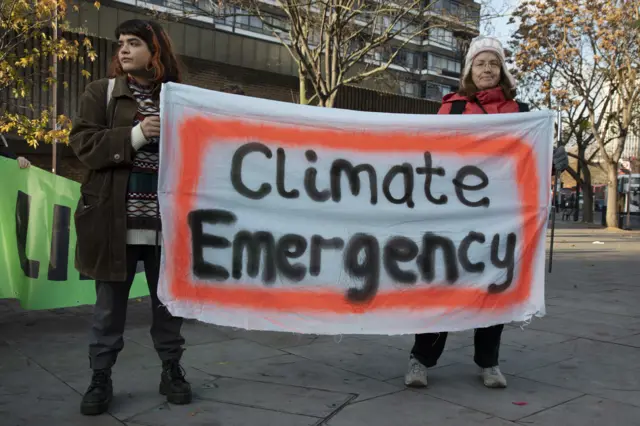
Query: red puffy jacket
(492, 100)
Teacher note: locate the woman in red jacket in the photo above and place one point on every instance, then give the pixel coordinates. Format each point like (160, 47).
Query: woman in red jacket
(486, 87)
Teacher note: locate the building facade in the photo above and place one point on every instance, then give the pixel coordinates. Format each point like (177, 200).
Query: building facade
(631, 149)
(632, 146)
(428, 67)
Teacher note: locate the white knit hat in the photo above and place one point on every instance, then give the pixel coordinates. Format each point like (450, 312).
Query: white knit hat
(487, 44)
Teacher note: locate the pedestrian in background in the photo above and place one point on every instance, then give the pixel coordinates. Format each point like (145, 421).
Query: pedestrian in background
(23, 163)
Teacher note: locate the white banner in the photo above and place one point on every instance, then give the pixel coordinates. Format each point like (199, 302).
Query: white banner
(295, 218)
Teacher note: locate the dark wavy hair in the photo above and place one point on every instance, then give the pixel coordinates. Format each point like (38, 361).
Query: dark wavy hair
(164, 64)
(234, 89)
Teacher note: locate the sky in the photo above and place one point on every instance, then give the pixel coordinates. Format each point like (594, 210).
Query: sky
(500, 28)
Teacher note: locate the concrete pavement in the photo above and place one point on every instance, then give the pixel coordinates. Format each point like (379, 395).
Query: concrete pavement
(579, 366)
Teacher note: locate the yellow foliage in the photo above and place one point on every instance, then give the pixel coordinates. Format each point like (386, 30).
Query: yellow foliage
(36, 130)
(21, 22)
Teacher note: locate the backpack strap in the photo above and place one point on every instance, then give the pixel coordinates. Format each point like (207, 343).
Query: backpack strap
(523, 107)
(457, 107)
(112, 82)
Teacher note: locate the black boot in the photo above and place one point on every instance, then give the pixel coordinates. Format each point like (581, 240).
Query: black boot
(98, 397)
(173, 384)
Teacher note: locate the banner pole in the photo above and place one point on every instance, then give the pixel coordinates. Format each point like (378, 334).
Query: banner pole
(553, 220)
(555, 194)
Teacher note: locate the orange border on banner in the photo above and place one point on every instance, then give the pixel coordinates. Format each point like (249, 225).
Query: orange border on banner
(195, 138)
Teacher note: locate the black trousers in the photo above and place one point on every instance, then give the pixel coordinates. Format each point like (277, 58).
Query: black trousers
(110, 314)
(429, 346)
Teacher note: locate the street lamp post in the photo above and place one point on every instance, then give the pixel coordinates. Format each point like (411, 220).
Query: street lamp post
(629, 201)
(576, 214)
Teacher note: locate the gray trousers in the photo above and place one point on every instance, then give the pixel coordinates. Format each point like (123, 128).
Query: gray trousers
(110, 313)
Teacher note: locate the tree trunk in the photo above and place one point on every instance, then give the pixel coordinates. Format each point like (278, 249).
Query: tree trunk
(587, 206)
(303, 88)
(331, 101)
(612, 196)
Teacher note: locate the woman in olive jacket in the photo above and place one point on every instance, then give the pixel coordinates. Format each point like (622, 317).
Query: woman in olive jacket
(115, 135)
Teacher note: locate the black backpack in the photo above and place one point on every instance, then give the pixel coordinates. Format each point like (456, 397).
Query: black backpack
(457, 107)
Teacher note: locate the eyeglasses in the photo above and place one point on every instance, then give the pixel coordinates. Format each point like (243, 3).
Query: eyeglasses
(483, 65)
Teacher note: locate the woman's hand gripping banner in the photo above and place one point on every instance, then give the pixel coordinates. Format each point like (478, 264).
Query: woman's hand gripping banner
(284, 217)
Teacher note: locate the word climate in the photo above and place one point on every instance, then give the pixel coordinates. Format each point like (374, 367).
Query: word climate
(342, 167)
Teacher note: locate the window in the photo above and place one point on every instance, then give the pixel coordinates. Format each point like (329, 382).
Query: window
(453, 8)
(354, 46)
(403, 26)
(254, 23)
(405, 59)
(442, 36)
(386, 23)
(408, 88)
(473, 17)
(195, 5)
(175, 4)
(409, 29)
(224, 16)
(456, 9)
(439, 63)
(435, 91)
(374, 54)
(241, 18)
(278, 24)
(439, 5)
(314, 36)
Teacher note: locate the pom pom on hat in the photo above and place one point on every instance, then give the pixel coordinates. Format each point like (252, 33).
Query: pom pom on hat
(487, 44)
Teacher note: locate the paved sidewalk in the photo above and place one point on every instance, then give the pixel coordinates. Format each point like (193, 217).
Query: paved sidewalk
(579, 366)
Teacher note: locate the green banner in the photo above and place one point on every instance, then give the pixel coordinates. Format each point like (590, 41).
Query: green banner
(38, 241)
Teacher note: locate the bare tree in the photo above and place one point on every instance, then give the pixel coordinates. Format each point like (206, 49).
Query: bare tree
(577, 133)
(342, 42)
(593, 46)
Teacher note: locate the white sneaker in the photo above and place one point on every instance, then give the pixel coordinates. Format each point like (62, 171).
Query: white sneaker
(416, 376)
(493, 378)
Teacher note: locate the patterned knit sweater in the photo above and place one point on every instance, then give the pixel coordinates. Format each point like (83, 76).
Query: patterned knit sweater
(143, 215)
